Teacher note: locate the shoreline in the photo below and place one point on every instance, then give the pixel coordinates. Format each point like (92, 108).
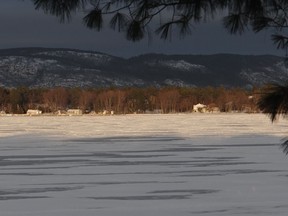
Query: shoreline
(131, 114)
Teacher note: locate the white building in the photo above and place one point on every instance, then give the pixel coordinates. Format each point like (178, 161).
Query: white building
(33, 112)
(74, 112)
(199, 108)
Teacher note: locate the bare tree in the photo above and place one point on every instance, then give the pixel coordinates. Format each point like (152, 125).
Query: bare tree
(56, 99)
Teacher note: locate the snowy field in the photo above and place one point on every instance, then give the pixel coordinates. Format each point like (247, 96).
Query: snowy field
(143, 165)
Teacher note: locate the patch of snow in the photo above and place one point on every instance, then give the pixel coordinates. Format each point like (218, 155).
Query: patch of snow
(87, 55)
(182, 65)
(176, 82)
(277, 73)
(24, 66)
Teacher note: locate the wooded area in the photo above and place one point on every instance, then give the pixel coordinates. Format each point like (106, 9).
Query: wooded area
(133, 17)
(128, 100)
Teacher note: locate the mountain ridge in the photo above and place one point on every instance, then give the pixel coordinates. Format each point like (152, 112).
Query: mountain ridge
(50, 67)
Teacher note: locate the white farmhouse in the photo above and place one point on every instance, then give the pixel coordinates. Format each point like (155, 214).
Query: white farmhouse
(199, 108)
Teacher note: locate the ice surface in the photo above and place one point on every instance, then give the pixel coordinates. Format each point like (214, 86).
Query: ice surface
(164, 165)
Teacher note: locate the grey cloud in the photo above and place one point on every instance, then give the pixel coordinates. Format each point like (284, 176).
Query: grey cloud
(22, 26)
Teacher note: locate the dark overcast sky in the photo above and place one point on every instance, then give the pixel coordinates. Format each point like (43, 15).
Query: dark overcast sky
(22, 26)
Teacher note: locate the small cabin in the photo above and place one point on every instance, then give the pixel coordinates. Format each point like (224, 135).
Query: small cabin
(74, 112)
(31, 112)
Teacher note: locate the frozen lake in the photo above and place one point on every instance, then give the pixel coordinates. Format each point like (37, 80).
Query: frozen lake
(143, 165)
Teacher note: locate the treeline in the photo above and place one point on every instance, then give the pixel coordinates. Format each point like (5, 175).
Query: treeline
(126, 100)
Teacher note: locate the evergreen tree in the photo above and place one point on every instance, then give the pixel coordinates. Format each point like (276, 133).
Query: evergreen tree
(135, 16)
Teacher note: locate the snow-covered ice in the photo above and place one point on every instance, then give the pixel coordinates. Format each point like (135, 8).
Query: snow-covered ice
(164, 165)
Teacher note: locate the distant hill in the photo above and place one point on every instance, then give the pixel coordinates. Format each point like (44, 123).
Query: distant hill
(42, 67)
